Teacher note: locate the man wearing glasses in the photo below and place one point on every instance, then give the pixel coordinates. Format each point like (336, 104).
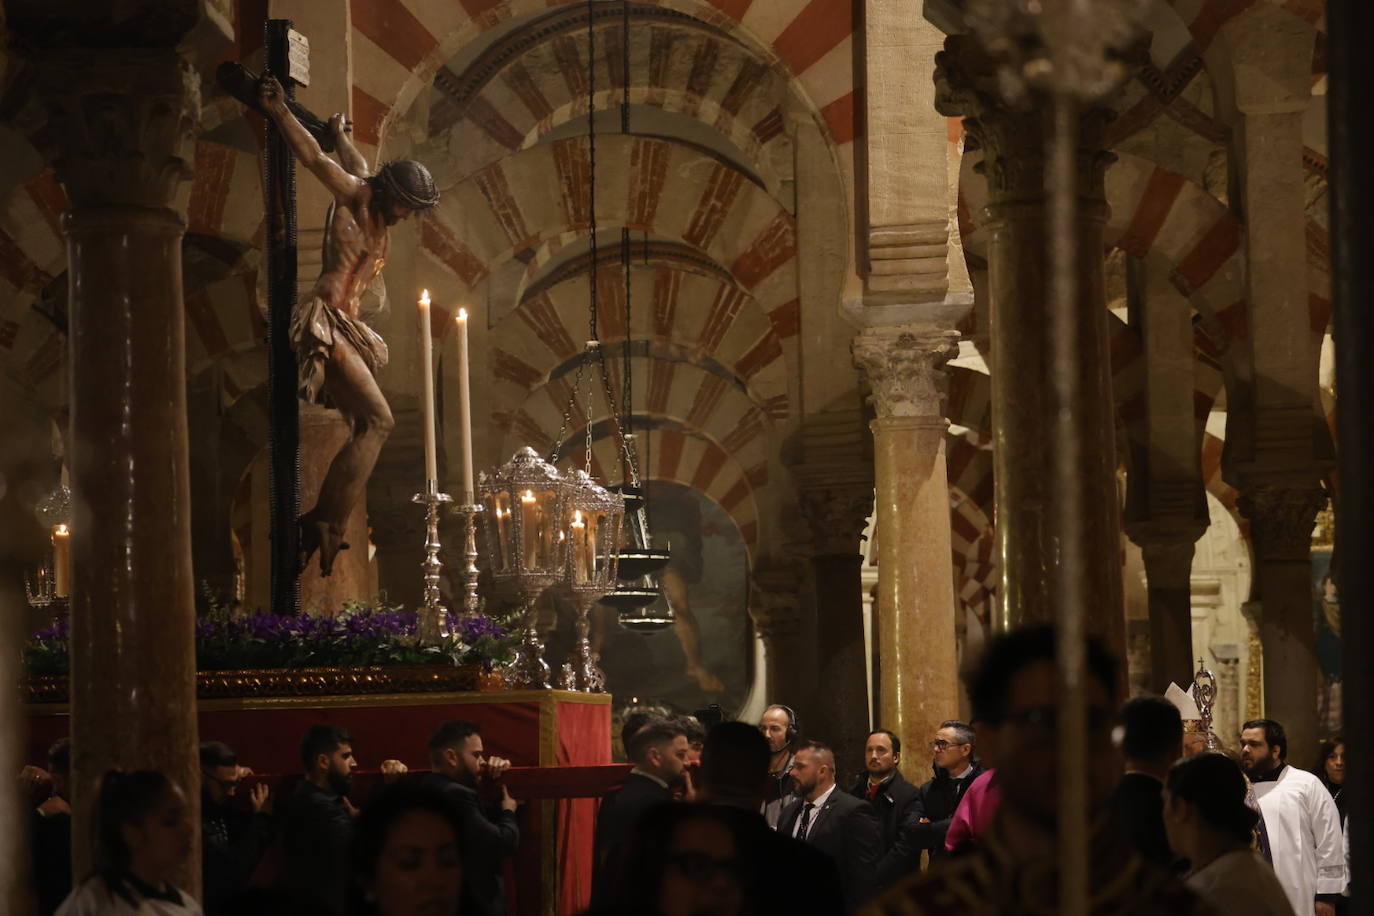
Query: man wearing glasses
(927, 820)
(233, 838)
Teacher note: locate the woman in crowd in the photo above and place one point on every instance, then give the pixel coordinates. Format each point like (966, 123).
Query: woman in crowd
(406, 856)
(1332, 772)
(143, 835)
(1209, 824)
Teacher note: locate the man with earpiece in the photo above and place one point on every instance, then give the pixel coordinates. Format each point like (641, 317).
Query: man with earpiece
(780, 728)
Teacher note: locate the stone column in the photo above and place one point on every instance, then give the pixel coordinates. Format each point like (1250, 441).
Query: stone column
(1278, 449)
(1281, 522)
(837, 516)
(1166, 503)
(1168, 572)
(1013, 141)
(915, 625)
(117, 129)
(775, 608)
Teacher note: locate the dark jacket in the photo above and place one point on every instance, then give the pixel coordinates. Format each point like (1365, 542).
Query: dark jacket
(316, 832)
(487, 840)
(1138, 808)
(232, 842)
(846, 829)
(935, 802)
(51, 855)
(892, 801)
(615, 821)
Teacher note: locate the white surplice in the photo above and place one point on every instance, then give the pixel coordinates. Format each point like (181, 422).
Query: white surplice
(1304, 836)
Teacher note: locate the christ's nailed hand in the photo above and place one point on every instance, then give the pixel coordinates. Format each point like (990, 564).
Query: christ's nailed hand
(270, 95)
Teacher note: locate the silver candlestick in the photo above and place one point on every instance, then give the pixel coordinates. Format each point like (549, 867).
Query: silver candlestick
(434, 617)
(471, 603)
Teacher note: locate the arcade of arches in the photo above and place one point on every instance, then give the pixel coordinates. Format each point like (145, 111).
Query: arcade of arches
(838, 337)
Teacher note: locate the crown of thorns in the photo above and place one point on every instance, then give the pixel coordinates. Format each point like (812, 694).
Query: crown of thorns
(408, 183)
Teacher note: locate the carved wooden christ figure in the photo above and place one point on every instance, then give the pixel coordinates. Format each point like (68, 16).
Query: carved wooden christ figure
(338, 355)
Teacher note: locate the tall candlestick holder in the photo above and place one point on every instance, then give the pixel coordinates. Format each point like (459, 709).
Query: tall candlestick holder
(434, 617)
(469, 512)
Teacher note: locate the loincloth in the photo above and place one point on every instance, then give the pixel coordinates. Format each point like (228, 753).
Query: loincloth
(316, 328)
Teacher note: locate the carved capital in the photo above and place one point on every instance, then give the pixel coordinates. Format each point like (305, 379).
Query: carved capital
(1282, 520)
(1013, 135)
(837, 516)
(116, 124)
(905, 368)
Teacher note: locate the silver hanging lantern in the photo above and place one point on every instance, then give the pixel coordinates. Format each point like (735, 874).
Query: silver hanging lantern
(523, 502)
(636, 599)
(592, 520)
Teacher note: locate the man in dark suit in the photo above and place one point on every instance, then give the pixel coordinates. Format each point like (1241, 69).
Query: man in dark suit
(842, 826)
(928, 819)
(883, 785)
(1152, 739)
(796, 877)
(459, 762)
(658, 751)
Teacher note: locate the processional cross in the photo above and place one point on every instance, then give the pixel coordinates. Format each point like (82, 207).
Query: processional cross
(321, 350)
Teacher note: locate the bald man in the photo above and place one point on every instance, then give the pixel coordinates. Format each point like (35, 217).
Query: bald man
(838, 824)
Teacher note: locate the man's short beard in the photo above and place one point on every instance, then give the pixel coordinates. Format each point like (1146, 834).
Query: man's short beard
(341, 783)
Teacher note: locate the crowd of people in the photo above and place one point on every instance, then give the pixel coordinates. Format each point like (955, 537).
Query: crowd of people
(745, 818)
(431, 843)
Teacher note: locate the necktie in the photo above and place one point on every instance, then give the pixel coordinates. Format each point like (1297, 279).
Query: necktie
(873, 789)
(805, 821)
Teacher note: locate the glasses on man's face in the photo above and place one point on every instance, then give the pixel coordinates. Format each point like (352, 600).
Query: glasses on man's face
(940, 744)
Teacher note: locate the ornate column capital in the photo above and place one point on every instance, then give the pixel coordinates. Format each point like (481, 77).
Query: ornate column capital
(970, 82)
(905, 368)
(1282, 519)
(837, 515)
(116, 124)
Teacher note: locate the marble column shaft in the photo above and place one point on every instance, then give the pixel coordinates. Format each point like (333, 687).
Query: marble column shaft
(916, 606)
(837, 517)
(119, 123)
(1025, 453)
(1281, 523)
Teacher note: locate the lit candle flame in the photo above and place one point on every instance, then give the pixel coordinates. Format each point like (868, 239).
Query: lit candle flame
(527, 496)
(424, 299)
(61, 531)
(462, 315)
(577, 519)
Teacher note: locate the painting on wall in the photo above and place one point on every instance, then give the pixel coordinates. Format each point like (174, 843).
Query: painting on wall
(705, 657)
(1327, 621)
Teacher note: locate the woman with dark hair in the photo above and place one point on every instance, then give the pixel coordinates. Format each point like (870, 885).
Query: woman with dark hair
(1209, 824)
(406, 856)
(1332, 772)
(143, 835)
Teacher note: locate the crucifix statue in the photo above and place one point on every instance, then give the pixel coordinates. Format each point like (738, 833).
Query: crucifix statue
(337, 353)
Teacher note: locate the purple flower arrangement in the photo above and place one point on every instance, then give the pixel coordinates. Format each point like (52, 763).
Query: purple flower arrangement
(359, 636)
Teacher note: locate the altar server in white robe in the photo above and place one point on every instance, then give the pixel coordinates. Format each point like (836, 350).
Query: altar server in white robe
(1303, 824)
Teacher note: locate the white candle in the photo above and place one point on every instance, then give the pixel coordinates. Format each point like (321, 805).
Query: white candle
(61, 561)
(464, 406)
(578, 546)
(530, 520)
(427, 399)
